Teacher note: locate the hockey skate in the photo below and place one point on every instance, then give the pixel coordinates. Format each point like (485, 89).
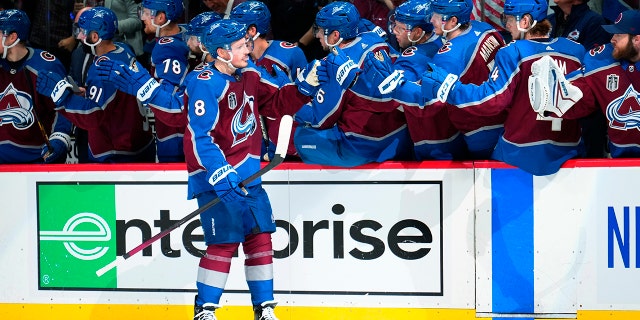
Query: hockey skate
(265, 311)
(206, 311)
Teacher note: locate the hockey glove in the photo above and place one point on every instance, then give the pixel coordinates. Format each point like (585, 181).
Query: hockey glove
(437, 83)
(280, 77)
(379, 70)
(337, 65)
(53, 85)
(60, 144)
(549, 91)
(307, 79)
(225, 183)
(138, 83)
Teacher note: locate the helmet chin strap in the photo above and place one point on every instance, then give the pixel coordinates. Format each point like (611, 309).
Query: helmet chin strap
(6, 48)
(331, 46)
(159, 27)
(204, 52)
(92, 46)
(445, 31)
(522, 30)
(256, 36)
(228, 62)
(413, 42)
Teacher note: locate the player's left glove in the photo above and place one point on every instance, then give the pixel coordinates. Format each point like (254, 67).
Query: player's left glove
(53, 85)
(379, 70)
(437, 83)
(337, 65)
(138, 83)
(549, 91)
(307, 79)
(279, 76)
(60, 144)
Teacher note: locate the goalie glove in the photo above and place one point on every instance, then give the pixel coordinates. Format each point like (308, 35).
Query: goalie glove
(138, 83)
(549, 91)
(378, 70)
(53, 85)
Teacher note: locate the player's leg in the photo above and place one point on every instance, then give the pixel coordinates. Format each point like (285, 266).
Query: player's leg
(222, 238)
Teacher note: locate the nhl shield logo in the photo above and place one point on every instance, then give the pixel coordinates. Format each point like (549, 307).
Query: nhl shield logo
(612, 82)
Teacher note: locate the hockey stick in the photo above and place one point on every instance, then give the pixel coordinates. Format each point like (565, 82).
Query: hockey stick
(284, 133)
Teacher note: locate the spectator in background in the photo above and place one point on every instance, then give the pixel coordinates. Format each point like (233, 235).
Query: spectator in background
(31, 131)
(51, 22)
(574, 20)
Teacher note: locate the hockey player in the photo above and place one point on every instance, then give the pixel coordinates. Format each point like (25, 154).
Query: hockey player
(169, 66)
(117, 128)
(222, 146)
(433, 134)
(610, 83)
(538, 145)
(31, 131)
(192, 36)
(349, 123)
(267, 53)
(469, 52)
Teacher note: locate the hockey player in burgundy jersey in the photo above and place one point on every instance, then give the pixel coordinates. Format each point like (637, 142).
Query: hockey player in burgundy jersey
(349, 123)
(433, 134)
(610, 83)
(222, 146)
(468, 52)
(267, 53)
(117, 128)
(27, 118)
(538, 145)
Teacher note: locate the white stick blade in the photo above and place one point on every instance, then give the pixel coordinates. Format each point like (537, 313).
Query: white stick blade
(284, 134)
(110, 266)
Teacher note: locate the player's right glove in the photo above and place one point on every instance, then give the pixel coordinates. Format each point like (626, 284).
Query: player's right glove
(53, 85)
(379, 71)
(549, 91)
(225, 182)
(337, 65)
(437, 83)
(307, 79)
(60, 144)
(138, 83)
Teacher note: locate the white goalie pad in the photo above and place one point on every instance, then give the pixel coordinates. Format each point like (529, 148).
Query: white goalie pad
(549, 91)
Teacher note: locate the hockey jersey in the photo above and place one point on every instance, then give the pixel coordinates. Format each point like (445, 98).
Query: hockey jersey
(432, 133)
(117, 127)
(536, 145)
(470, 55)
(354, 126)
(291, 59)
(613, 86)
(223, 126)
(23, 109)
(169, 65)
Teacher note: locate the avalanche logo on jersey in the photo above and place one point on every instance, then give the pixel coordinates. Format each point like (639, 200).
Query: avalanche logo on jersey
(574, 35)
(445, 48)
(15, 108)
(165, 40)
(623, 113)
(244, 122)
(408, 52)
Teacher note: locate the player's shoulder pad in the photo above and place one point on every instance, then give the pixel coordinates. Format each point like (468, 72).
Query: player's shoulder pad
(41, 60)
